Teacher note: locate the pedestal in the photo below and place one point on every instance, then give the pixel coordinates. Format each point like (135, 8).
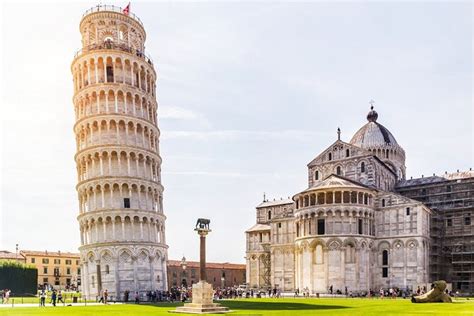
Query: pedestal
(202, 301)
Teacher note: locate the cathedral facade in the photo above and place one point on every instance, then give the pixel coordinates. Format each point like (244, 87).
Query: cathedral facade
(349, 228)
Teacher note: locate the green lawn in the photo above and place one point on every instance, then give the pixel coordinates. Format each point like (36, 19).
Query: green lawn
(255, 307)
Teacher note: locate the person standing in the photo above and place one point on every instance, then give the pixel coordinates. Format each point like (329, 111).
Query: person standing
(7, 296)
(106, 296)
(42, 298)
(53, 298)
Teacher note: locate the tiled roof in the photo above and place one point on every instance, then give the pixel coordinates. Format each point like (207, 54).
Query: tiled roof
(50, 253)
(436, 178)
(7, 255)
(210, 265)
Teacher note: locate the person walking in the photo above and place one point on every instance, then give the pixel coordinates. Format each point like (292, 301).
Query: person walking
(60, 297)
(137, 298)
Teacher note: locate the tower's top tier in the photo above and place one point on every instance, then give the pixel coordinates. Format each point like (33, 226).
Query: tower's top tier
(108, 24)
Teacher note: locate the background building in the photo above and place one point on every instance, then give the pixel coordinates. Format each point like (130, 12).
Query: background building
(450, 196)
(122, 225)
(220, 275)
(61, 270)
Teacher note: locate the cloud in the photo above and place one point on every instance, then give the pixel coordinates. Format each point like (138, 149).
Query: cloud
(294, 135)
(177, 113)
(228, 174)
(183, 114)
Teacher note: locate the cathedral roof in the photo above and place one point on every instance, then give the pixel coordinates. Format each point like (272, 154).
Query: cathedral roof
(334, 181)
(275, 203)
(373, 134)
(259, 227)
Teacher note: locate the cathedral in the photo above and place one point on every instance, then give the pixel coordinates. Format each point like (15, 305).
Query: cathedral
(349, 229)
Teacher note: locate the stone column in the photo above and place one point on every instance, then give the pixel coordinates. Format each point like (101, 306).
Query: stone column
(202, 256)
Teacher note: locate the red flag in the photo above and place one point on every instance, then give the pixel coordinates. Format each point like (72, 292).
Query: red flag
(126, 11)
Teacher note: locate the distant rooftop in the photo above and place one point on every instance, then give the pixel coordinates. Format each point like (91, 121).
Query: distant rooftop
(436, 178)
(7, 255)
(49, 253)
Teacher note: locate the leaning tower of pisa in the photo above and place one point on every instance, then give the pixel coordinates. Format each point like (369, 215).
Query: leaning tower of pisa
(119, 188)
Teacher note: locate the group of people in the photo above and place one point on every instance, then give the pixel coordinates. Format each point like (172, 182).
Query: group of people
(56, 297)
(5, 295)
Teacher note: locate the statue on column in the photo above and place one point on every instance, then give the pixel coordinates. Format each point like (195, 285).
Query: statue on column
(202, 302)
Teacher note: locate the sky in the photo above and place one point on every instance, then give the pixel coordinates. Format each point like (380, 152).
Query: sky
(248, 94)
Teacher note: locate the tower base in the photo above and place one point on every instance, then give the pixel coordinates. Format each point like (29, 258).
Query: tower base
(202, 301)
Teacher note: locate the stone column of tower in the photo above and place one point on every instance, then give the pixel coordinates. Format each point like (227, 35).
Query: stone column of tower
(121, 218)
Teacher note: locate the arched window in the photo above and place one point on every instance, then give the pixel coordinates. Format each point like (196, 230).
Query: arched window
(385, 264)
(269, 215)
(362, 166)
(316, 175)
(385, 258)
(383, 202)
(297, 229)
(348, 152)
(107, 269)
(338, 170)
(330, 156)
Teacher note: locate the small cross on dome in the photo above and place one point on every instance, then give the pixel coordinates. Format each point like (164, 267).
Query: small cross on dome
(371, 102)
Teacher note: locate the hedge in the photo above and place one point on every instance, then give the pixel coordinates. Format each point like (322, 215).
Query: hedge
(18, 277)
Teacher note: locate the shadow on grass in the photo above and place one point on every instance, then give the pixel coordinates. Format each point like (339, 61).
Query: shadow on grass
(277, 306)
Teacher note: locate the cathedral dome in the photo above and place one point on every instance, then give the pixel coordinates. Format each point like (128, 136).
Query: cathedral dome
(374, 137)
(373, 134)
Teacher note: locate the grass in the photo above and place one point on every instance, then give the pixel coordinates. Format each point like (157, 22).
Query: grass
(257, 307)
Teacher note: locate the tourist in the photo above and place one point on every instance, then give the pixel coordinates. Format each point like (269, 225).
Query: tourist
(137, 298)
(42, 297)
(60, 297)
(330, 289)
(6, 295)
(381, 293)
(106, 295)
(53, 298)
(126, 294)
(345, 291)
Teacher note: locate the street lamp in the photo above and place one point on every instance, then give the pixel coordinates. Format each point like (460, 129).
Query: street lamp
(16, 252)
